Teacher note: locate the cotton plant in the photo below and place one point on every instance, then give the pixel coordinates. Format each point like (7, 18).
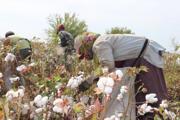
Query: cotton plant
(123, 91)
(105, 85)
(75, 81)
(61, 105)
(40, 101)
(151, 98)
(11, 94)
(21, 68)
(164, 104)
(144, 108)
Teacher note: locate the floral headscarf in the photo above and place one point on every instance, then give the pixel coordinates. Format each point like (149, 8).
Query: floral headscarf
(83, 43)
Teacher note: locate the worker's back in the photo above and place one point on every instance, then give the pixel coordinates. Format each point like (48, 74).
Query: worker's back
(118, 47)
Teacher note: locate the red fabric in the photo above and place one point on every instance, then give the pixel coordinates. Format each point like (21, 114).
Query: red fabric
(61, 27)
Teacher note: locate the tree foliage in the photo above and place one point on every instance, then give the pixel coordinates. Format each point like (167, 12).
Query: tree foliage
(119, 30)
(70, 21)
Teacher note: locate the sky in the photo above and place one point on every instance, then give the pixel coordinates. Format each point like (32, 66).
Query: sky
(158, 20)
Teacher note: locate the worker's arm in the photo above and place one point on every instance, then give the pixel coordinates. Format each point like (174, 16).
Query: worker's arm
(105, 55)
(104, 52)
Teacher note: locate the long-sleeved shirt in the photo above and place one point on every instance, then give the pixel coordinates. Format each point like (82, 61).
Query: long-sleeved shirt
(118, 47)
(18, 43)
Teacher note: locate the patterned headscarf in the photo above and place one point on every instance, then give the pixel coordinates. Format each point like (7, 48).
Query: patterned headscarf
(86, 39)
(83, 43)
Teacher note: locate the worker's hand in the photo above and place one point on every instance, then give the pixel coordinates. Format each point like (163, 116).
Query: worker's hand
(85, 85)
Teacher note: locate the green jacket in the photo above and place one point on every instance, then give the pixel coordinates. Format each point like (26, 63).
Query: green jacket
(19, 43)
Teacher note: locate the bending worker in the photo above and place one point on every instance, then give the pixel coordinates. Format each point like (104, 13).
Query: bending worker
(120, 50)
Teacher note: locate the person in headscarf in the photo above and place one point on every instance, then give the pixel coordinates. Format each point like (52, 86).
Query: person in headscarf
(20, 46)
(120, 50)
(66, 39)
(67, 45)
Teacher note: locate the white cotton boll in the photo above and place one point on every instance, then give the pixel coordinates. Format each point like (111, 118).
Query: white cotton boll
(79, 79)
(84, 99)
(1, 75)
(39, 110)
(81, 73)
(10, 57)
(108, 90)
(9, 95)
(120, 97)
(100, 85)
(107, 118)
(57, 109)
(32, 64)
(117, 118)
(20, 92)
(25, 109)
(109, 82)
(124, 89)
(57, 101)
(164, 104)
(44, 100)
(144, 108)
(37, 98)
(148, 109)
(119, 73)
(13, 79)
(21, 87)
(80, 118)
(70, 82)
(120, 115)
(150, 98)
(39, 104)
(21, 68)
(74, 84)
(16, 94)
(103, 80)
(113, 117)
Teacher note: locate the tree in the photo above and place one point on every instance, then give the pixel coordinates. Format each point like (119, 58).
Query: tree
(119, 30)
(70, 21)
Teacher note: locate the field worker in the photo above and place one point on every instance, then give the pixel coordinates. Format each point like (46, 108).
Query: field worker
(67, 44)
(66, 39)
(120, 50)
(21, 47)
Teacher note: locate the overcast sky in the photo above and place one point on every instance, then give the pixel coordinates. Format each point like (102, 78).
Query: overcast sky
(156, 19)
